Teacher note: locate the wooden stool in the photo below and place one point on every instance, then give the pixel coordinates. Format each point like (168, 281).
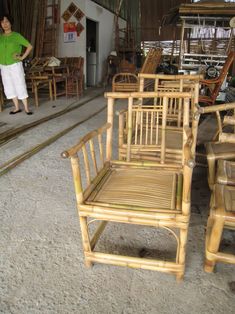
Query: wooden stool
(222, 215)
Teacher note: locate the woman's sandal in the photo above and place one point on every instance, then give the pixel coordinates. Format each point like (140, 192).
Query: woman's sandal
(29, 113)
(14, 112)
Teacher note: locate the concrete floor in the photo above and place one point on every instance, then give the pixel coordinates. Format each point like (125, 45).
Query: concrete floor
(41, 259)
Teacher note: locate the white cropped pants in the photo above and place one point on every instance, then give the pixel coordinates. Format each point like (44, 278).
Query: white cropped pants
(13, 79)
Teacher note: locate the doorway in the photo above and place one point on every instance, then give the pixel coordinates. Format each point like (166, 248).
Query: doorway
(91, 50)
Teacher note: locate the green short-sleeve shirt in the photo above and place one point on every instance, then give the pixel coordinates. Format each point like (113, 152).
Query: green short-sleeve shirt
(10, 45)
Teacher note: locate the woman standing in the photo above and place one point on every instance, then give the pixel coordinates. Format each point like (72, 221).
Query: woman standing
(12, 71)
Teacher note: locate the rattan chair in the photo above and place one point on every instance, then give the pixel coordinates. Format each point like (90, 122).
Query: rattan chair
(213, 86)
(222, 216)
(146, 193)
(224, 146)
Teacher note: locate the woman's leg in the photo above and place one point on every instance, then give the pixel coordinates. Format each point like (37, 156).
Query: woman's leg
(16, 103)
(25, 103)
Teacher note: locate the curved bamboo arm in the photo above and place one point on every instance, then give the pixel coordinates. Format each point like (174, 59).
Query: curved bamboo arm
(215, 108)
(73, 150)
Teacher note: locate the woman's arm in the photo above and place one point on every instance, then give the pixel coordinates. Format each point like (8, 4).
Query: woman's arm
(26, 53)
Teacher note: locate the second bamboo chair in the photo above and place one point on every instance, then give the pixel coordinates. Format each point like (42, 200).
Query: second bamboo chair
(224, 146)
(153, 194)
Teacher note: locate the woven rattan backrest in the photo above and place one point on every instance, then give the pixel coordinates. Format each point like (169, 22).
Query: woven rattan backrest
(87, 155)
(222, 75)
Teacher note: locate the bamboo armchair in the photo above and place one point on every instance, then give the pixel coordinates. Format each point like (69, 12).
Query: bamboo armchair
(224, 146)
(213, 85)
(129, 82)
(153, 194)
(222, 215)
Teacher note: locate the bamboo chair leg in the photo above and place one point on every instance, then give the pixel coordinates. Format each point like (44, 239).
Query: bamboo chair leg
(54, 89)
(182, 252)
(50, 90)
(35, 91)
(211, 172)
(85, 239)
(213, 237)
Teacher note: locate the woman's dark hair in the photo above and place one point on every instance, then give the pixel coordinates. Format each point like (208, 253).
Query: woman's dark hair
(10, 19)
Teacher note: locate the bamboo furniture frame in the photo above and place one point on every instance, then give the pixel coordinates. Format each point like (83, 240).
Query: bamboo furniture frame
(129, 82)
(214, 85)
(144, 138)
(133, 192)
(222, 215)
(226, 172)
(224, 146)
(37, 79)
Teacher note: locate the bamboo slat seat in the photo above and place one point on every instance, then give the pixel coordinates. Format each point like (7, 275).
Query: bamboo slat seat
(143, 193)
(222, 216)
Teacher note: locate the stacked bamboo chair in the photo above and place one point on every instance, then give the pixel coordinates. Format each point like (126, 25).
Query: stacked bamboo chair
(222, 215)
(221, 180)
(224, 145)
(140, 192)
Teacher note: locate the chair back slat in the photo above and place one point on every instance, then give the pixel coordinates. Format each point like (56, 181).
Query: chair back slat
(87, 156)
(86, 164)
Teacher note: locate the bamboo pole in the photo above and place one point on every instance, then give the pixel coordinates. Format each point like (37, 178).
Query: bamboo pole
(17, 131)
(20, 158)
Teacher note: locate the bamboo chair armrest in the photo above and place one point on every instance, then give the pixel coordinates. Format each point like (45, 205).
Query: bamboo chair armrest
(229, 120)
(214, 108)
(227, 138)
(73, 150)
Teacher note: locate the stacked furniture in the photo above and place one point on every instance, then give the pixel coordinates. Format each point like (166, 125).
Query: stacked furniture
(129, 82)
(221, 179)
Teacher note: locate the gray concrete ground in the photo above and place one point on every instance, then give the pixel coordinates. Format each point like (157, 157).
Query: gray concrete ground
(41, 259)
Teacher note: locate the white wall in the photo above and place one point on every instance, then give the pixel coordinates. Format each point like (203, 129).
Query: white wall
(106, 34)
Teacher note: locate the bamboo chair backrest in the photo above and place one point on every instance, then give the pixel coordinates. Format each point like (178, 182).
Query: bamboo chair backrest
(88, 156)
(173, 83)
(150, 129)
(141, 135)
